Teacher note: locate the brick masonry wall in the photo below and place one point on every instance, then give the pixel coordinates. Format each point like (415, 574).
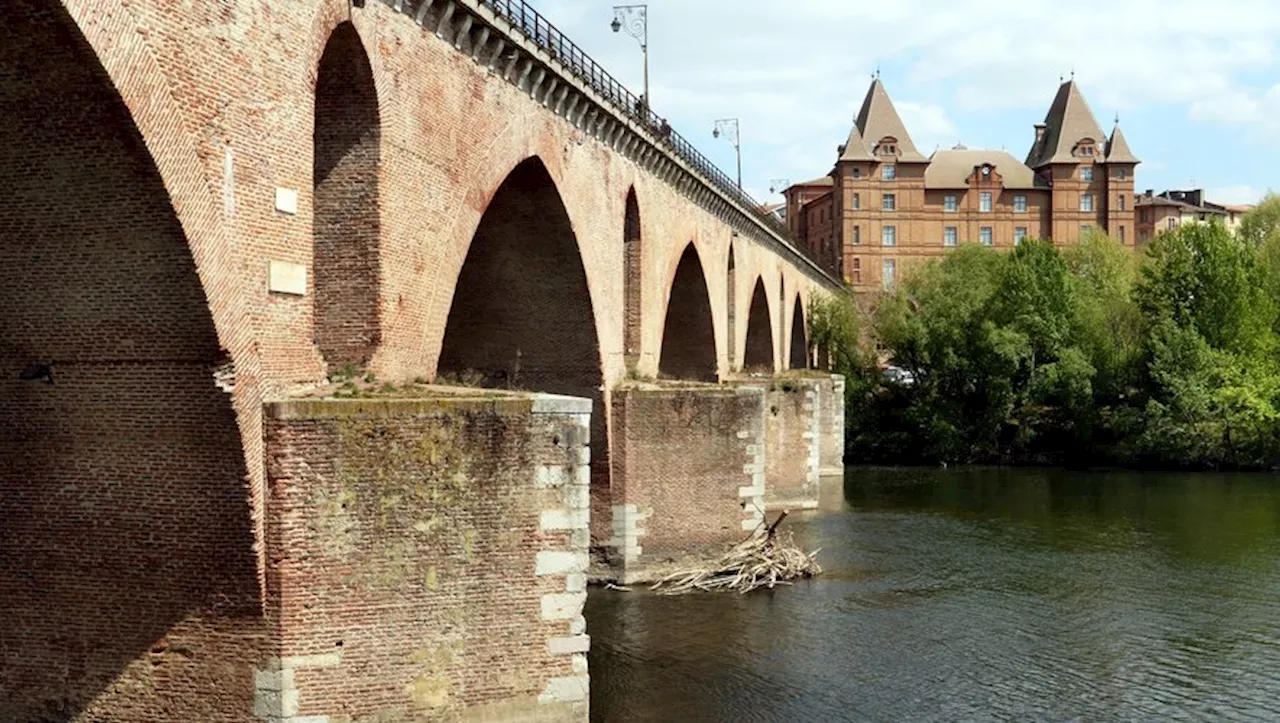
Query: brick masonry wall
(347, 224)
(128, 587)
(223, 96)
(791, 444)
(831, 425)
(428, 558)
(792, 439)
(687, 473)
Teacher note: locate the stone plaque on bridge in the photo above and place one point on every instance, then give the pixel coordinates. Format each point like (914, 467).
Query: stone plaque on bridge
(286, 278)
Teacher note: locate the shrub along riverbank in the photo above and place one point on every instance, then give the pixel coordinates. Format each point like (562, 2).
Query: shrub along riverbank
(1086, 355)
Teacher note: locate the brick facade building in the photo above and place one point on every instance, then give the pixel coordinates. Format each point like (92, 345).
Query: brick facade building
(885, 206)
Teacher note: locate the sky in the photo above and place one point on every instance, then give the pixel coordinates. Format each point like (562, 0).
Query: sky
(1196, 85)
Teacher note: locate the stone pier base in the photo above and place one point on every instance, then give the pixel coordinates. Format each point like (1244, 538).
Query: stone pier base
(688, 474)
(427, 559)
(792, 440)
(831, 426)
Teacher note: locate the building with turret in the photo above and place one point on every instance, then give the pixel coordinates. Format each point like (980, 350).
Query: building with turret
(885, 206)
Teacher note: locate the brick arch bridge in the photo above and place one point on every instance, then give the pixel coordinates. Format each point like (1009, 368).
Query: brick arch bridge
(220, 206)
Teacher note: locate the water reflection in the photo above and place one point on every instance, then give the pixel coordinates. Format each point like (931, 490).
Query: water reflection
(979, 595)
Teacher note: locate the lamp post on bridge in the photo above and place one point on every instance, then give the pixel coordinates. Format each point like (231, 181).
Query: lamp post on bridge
(635, 20)
(729, 128)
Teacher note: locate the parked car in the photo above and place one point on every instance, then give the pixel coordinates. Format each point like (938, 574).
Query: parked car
(897, 375)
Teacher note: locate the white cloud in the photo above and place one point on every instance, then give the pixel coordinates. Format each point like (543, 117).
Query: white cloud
(929, 125)
(1235, 194)
(794, 73)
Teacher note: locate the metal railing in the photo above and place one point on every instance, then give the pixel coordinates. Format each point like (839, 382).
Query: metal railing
(546, 36)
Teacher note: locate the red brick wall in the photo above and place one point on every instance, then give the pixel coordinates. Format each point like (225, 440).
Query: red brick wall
(522, 315)
(759, 354)
(688, 336)
(792, 438)
(347, 226)
(682, 458)
(128, 588)
(831, 425)
(635, 268)
(409, 539)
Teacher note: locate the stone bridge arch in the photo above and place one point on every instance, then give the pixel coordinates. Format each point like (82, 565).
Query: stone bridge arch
(759, 345)
(347, 210)
(127, 379)
(799, 348)
(688, 349)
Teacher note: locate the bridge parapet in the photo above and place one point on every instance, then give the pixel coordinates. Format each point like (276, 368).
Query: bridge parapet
(515, 42)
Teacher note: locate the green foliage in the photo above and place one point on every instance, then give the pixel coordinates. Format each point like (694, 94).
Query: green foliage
(1088, 355)
(1263, 222)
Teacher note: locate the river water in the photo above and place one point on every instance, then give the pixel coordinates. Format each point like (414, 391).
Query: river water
(1010, 595)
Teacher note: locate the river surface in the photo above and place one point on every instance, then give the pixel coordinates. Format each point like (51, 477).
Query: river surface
(978, 594)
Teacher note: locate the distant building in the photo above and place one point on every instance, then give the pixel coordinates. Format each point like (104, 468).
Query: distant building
(884, 206)
(1157, 213)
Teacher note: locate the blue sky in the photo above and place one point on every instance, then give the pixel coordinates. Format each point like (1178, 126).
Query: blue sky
(1196, 85)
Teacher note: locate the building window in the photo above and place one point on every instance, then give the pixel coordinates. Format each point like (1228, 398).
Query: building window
(1173, 223)
(1020, 204)
(1086, 203)
(857, 201)
(857, 270)
(857, 235)
(950, 203)
(984, 202)
(1019, 234)
(985, 236)
(857, 172)
(889, 202)
(1121, 232)
(1085, 230)
(1086, 173)
(1120, 202)
(888, 172)
(889, 236)
(950, 236)
(888, 272)
(1121, 174)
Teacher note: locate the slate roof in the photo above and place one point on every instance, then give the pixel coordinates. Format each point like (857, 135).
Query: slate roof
(878, 119)
(952, 168)
(1118, 148)
(1068, 121)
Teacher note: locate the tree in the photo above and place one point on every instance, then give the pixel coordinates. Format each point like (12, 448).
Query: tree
(1263, 222)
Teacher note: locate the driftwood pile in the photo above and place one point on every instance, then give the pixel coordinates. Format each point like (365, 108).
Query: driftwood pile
(764, 559)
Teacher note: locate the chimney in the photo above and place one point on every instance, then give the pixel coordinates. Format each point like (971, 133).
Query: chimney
(1040, 129)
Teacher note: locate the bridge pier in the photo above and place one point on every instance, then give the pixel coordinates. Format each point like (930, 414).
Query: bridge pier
(688, 474)
(427, 557)
(831, 426)
(792, 440)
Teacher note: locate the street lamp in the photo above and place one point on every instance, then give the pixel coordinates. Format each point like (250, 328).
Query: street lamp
(729, 128)
(635, 20)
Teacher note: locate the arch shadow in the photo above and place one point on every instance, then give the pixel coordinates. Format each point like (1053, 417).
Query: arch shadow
(347, 224)
(799, 353)
(632, 281)
(688, 333)
(759, 353)
(128, 544)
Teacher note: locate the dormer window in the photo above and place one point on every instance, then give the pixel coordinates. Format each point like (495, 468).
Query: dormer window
(1085, 149)
(887, 146)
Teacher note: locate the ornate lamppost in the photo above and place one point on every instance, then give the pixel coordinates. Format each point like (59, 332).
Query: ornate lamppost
(728, 127)
(635, 20)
